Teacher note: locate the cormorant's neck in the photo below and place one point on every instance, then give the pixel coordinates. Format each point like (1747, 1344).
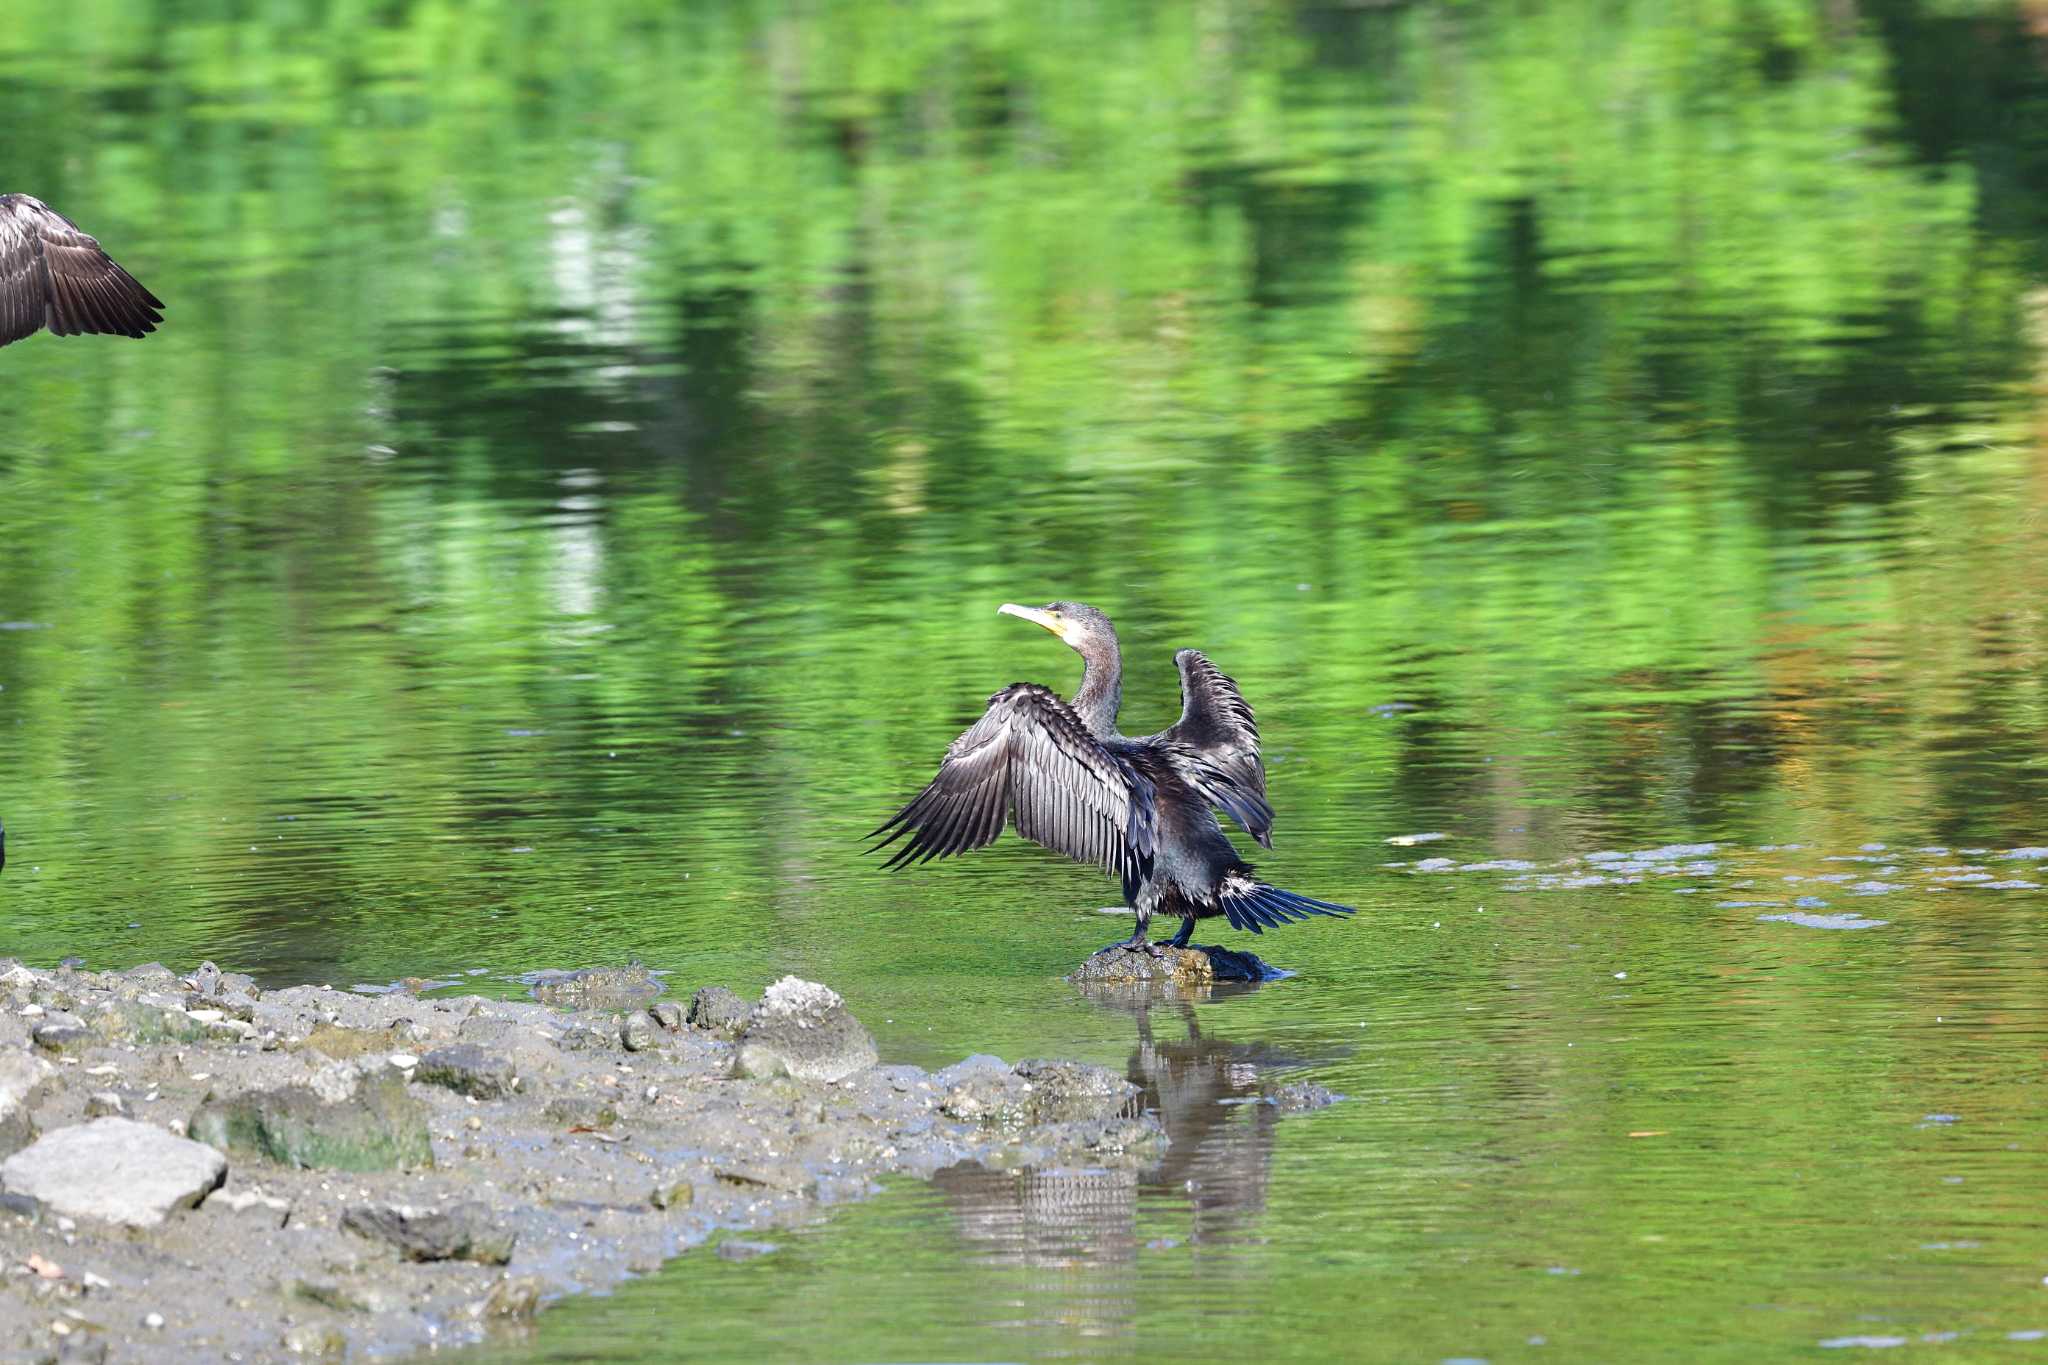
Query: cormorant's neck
(1102, 687)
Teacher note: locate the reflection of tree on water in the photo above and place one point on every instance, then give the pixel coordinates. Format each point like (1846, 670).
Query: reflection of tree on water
(1075, 1230)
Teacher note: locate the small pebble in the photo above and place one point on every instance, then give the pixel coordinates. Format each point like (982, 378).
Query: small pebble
(153, 1321)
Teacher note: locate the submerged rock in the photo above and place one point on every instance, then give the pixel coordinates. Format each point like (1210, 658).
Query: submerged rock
(1075, 1092)
(1195, 965)
(599, 988)
(461, 1232)
(803, 1030)
(343, 1120)
(984, 1090)
(116, 1170)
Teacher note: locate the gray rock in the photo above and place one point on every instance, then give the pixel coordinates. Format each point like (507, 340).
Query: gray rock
(582, 1035)
(515, 1296)
(714, 1009)
(673, 1190)
(63, 1036)
(22, 1075)
(116, 1170)
(250, 1207)
(143, 1021)
(982, 1089)
(1194, 965)
(581, 1111)
(1072, 1092)
(461, 1232)
(786, 1176)
(668, 1014)
(637, 1032)
(341, 1120)
(803, 1030)
(599, 988)
(467, 1069)
(105, 1104)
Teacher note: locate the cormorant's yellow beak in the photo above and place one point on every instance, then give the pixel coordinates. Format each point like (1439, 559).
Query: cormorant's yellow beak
(1038, 616)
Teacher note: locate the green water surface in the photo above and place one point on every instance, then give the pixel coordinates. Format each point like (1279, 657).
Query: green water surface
(567, 504)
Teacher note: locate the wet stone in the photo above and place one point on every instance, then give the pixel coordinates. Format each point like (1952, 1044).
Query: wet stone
(735, 1249)
(1072, 1092)
(598, 988)
(513, 1297)
(467, 1069)
(1195, 965)
(461, 1232)
(714, 1009)
(785, 1176)
(668, 1014)
(1298, 1097)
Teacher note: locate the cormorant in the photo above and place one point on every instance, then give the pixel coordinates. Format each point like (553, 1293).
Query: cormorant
(1138, 807)
(52, 275)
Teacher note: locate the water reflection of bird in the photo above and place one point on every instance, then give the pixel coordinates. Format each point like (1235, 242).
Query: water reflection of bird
(52, 275)
(1080, 1225)
(1141, 808)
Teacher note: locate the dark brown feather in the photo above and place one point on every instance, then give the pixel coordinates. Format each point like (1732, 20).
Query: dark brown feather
(52, 275)
(1030, 757)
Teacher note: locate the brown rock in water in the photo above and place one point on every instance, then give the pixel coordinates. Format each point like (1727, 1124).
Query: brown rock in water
(599, 988)
(1194, 965)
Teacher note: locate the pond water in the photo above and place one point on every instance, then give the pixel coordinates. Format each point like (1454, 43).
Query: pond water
(567, 504)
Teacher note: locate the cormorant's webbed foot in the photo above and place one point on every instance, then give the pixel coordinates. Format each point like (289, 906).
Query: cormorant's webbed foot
(1181, 935)
(1138, 942)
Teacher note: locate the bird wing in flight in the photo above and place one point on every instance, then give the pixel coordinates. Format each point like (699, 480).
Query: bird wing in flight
(1030, 755)
(53, 275)
(1215, 744)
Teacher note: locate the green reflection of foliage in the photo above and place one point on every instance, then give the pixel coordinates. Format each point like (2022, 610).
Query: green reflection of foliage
(1612, 378)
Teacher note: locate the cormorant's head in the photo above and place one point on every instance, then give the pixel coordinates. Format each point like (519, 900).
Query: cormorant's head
(1081, 626)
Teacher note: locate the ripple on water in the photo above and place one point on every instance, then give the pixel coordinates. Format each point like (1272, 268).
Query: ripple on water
(1808, 920)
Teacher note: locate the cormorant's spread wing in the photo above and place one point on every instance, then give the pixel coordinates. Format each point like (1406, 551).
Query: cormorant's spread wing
(1215, 744)
(1031, 755)
(52, 275)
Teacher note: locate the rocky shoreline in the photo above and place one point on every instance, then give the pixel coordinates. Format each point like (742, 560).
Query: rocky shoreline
(195, 1168)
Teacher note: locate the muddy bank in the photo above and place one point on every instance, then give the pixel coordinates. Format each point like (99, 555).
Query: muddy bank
(196, 1169)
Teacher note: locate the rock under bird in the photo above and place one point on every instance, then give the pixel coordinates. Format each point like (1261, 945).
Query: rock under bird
(52, 275)
(1143, 809)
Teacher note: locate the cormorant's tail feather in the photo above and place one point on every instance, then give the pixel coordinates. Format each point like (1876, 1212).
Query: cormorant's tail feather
(1266, 907)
